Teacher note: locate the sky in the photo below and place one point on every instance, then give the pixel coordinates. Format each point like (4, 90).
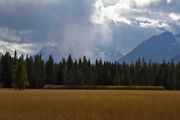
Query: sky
(79, 27)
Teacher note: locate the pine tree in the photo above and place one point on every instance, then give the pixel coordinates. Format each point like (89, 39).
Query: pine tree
(30, 71)
(68, 76)
(77, 75)
(0, 73)
(39, 72)
(20, 80)
(177, 81)
(15, 71)
(7, 70)
(60, 74)
(171, 80)
(50, 71)
(14, 66)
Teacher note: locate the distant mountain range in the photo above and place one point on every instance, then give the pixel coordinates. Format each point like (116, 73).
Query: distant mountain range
(5, 48)
(107, 54)
(164, 46)
(112, 54)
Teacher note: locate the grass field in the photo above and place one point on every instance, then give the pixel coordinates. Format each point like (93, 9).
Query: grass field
(89, 105)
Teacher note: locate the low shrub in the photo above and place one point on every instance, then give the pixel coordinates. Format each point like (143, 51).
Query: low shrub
(104, 87)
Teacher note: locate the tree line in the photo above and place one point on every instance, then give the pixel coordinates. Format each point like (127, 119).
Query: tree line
(34, 72)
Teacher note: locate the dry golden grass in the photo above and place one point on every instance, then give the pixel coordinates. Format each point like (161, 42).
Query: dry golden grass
(89, 105)
(105, 87)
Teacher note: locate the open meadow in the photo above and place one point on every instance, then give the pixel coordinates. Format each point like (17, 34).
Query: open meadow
(89, 105)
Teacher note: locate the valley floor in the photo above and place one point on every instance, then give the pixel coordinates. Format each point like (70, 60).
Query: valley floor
(89, 105)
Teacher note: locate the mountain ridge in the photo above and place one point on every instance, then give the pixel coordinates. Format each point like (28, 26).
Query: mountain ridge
(107, 54)
(156, 48)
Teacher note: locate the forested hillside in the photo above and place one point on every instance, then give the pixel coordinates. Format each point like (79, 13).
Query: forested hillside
(33, 72)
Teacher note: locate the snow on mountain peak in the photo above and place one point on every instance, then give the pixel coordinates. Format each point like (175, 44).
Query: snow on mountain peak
(107, 54)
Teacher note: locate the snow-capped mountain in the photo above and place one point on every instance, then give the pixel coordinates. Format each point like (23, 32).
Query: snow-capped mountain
(113, 54)
(107, 54)
(157, 48)
(46, 51)
(4, 48)
(51, 50)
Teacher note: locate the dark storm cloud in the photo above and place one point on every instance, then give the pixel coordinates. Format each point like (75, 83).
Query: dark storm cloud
(80, 26)
(45, 18)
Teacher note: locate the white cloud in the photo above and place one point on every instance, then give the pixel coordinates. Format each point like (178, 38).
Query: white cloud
(169, 1)
(80, 26)
(133, 17)
(175, 17)
(152, 23)
(21, 48)
(12, 35)
(137, 3)
(129, 11)
(143, 3)
(110, 13)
